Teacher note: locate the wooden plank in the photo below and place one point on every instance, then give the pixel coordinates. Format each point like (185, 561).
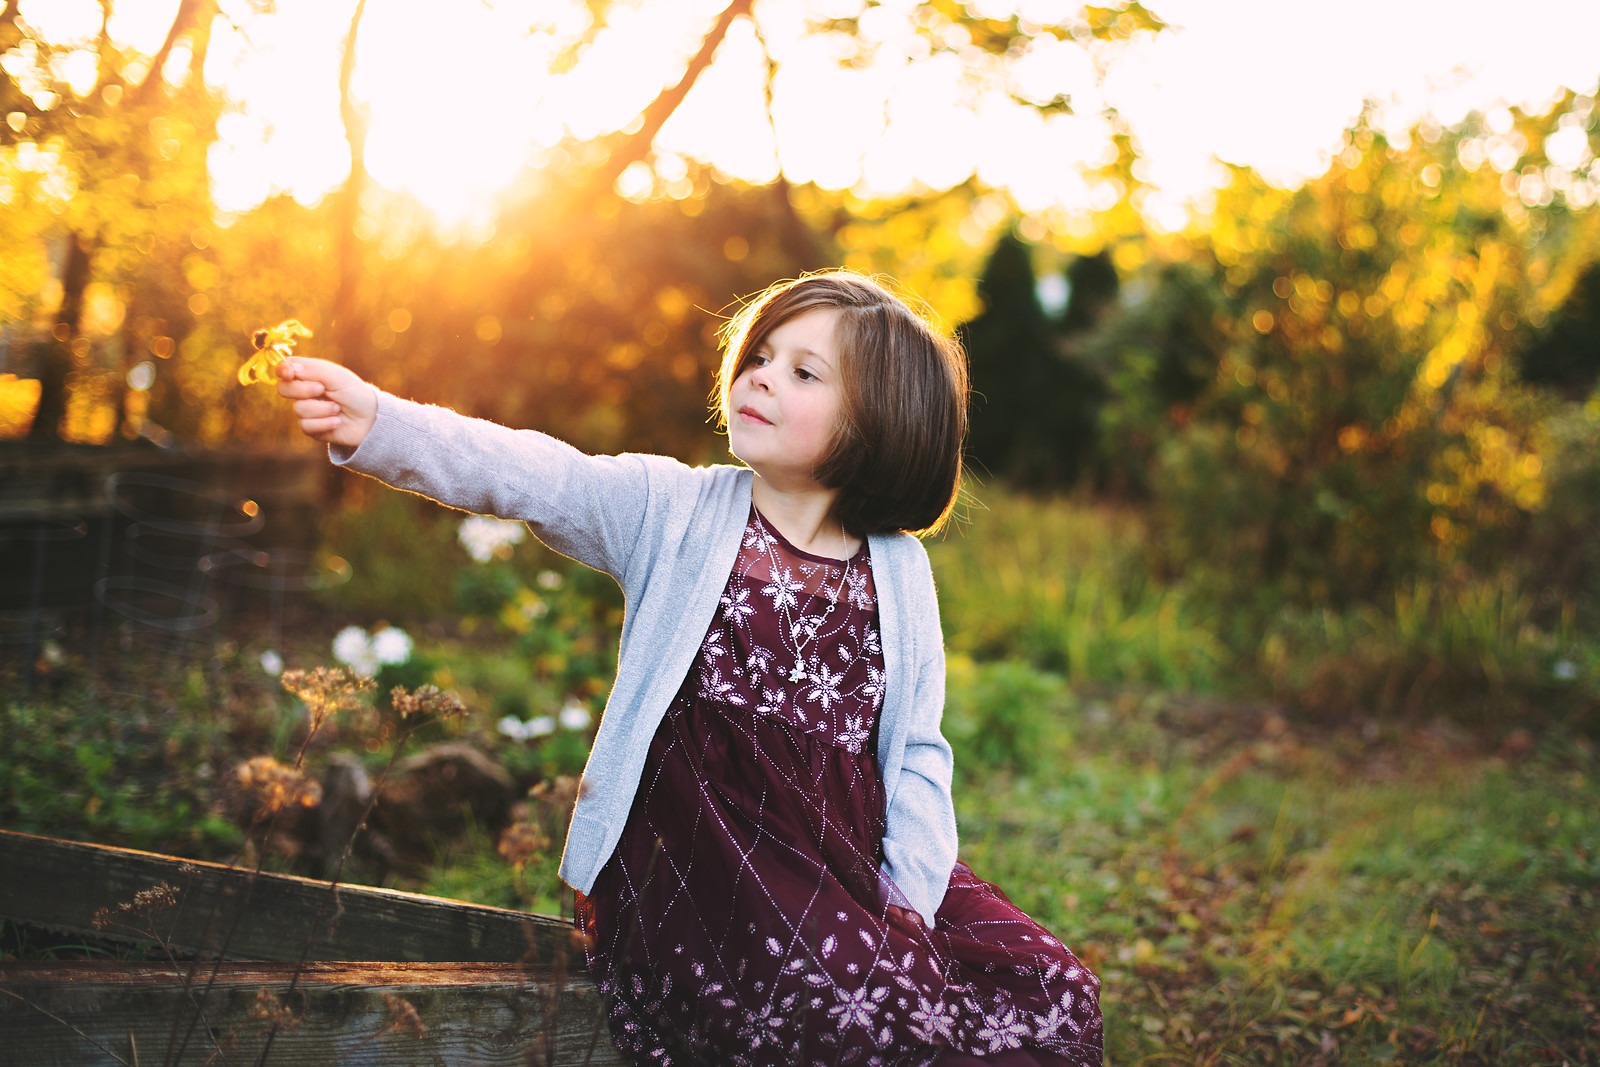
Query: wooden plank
(242, 915)
(68, 483)
(81, 1013)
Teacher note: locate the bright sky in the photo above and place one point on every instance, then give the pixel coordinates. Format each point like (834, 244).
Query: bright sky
(460, 104)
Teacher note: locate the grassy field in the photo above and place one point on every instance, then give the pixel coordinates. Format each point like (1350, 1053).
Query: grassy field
(1253, 885)
(1256, 892)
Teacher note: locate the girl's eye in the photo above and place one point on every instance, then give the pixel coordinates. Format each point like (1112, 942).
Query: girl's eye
(804, 375)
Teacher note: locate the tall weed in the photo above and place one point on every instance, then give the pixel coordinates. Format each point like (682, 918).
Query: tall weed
(1066, 587)
(1471, 649)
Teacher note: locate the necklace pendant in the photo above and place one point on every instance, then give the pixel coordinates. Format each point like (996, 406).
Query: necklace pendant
(798, 674)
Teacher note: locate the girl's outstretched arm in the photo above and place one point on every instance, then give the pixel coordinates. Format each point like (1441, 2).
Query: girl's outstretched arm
(332, 403)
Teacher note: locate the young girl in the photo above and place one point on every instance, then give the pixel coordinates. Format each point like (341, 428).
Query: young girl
(764, 843)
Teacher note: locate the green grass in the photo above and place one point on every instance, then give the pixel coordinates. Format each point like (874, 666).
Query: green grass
(1251, 892)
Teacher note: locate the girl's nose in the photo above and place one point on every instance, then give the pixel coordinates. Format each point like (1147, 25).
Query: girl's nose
(758, 377)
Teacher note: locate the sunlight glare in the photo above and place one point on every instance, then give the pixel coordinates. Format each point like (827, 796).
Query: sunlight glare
(284, 77)
(826, 117)
(723, 119)
(1233, 80)
(142, 24)
(62, 21)
(928, 112)
(450, 103)
(641, 51)
(460, 105)
(78, 69)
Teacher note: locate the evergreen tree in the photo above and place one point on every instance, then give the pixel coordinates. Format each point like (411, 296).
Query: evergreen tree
(1567, 355)
(1034, 406)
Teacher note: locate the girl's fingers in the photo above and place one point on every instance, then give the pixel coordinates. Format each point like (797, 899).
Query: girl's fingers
(319, 427)
(316, 409)
(315, 371)
(300, 389)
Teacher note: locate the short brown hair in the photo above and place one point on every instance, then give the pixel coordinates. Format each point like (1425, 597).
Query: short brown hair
(896, 456)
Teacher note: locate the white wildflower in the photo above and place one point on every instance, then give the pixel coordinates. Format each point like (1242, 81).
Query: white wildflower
(526, 730)
(549, 580)
(485, 537)
(352, 646)
(391, 645)
(271, 662)
(574, 716)
(1565, 670)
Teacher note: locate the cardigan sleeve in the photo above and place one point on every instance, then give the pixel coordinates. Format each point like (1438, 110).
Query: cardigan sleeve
(919, 845)
(590, 508)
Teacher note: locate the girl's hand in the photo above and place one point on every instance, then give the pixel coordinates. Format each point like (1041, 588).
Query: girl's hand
(905, 919)
(332, 402)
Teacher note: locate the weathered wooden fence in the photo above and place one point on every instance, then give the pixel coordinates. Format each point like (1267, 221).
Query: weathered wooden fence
(46, 488)
(269, 968)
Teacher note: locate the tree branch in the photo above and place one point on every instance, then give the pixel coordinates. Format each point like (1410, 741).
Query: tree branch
(187, 16)
(799, 238)
(637, 145)
(347, 206)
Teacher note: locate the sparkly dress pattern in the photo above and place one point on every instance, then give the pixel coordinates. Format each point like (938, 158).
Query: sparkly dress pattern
(743, 918)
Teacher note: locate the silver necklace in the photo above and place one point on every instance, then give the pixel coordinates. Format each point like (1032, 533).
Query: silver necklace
(798, 672)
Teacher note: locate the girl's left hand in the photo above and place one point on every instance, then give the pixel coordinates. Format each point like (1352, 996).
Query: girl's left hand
(905, 920)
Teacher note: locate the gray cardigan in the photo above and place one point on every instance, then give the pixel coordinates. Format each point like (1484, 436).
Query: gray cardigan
(669, 534)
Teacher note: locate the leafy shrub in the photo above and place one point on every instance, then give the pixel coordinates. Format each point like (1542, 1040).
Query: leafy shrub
(1005, 716)
(1361, 422)
(95, 771)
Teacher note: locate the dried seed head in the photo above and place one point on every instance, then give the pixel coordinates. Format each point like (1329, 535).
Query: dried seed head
(521, 842)
(272, 1007)
(327, 691)
(146, 904)
(267, 787)
(426, 700)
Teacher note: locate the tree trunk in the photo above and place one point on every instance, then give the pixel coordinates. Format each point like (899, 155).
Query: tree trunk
(187, 17)
(66, 354)
(70, 348)
(344, 328)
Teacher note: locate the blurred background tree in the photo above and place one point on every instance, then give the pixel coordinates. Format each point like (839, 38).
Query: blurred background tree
(118, 259)
(1035, 401)
(113, 176)
(1317, 394)
(1365, 421)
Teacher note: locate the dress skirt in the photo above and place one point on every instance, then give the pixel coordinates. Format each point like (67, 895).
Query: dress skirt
(743, 918)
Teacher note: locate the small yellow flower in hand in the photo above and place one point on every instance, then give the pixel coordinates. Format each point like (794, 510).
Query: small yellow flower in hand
(272, 348)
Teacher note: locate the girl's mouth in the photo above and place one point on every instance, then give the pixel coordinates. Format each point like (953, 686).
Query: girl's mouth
(751, 415)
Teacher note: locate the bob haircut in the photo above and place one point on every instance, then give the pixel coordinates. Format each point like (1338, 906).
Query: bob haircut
(896, 455)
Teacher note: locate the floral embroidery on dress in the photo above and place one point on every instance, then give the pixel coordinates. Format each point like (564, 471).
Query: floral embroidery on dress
(825, 609)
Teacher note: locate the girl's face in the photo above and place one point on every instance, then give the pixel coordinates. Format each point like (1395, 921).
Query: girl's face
(784, 406)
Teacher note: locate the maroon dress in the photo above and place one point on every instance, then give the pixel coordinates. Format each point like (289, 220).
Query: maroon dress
(743, 918)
